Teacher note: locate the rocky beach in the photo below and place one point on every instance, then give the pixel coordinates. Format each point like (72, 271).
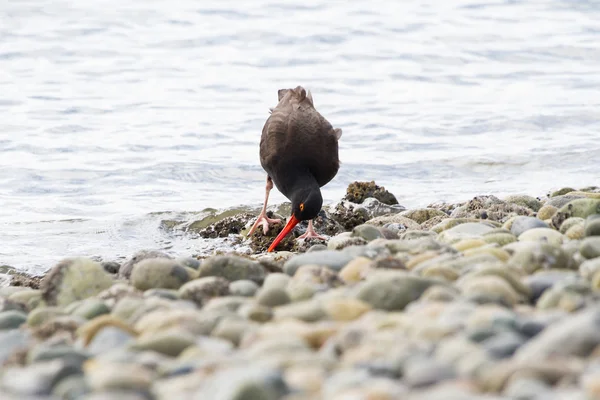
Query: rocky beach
(492, 298)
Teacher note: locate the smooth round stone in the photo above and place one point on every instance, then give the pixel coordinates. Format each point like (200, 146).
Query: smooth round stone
(109, 338)
(103, 375)
(503, 344)
(546, 235)
(158, 273)
(233, 268)
(276, 280)
(168, 294)
(573, 335)
(422, 372)
(500, 238)
(569, 223)
(10, 305)
(592, 225)
(272, 297)
(74, 279)
(12, 340)
(525, 388)
(91, 308)
(575, 232)
(491, 285)
(189, 262)
(44, 352)
(73, 387)
(36, 379)
(533, 256)
(126, 307)
(316, 247)
(589, 268)
(522, 224)
(201, 290)
(444, 272)
(244, 288)
(345, 309)
(43, 314)
(439, 293)
(343, 240)
(467, 244)
(233, 329)
(117, 394)
(464, 231)
(226, 305)
(170, 342)
(255, 312)
(332, 259)
(299, 290)
(367, 232)
(393, 293)
(590, 247)
(29, 298)
(12, 319)
(307, 311)
(581, 208)
(355, 270)
(546, 212)
(127, 267)
(510, 276)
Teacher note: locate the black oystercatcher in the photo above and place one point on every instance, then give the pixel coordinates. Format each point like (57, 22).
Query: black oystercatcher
(299, 152)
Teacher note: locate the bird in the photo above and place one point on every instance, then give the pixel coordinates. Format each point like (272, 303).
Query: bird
(299, 153)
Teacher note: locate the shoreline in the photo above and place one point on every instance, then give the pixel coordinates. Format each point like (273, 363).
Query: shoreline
(487, 296)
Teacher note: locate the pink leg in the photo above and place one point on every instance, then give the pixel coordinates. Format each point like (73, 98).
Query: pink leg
(262, 217)
(310, 232)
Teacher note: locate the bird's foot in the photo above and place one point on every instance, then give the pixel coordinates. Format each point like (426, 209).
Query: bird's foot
(265, 222)
(311, 234)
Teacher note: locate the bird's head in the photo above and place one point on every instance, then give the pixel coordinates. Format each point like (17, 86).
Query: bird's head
(306, 204)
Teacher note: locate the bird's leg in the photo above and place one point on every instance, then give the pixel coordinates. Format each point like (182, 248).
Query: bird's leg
(262, 217)
(310, 232)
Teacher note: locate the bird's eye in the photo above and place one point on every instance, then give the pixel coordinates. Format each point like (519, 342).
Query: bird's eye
(301, 207)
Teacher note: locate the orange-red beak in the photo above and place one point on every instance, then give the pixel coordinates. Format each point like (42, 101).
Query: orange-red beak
(292, 222)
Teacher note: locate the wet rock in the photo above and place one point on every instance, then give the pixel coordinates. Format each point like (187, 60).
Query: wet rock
(525, 201)
(233, 268)
(74, 279)
(401, 223)
(545, 235)
(158, 273)
(73, 387)
(334, 260)
(234, 224)
(357, 192)
(201, 290)
(522, 224)
(244, 287)
(491, 208)
(392, 292)
(127, 267)
(420, 215)
(348, 214)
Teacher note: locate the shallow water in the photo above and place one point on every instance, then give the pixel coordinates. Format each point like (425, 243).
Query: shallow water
(112, 110)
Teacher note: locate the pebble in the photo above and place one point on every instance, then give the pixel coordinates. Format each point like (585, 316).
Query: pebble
(335, 260)
(158, 273)
(522, 224)
(411, 304)
(233, 268)
(74, 279)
